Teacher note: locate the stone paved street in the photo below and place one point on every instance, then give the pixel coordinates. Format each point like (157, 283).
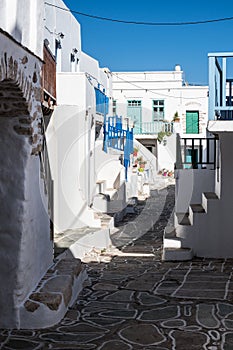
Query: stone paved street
(132, 300)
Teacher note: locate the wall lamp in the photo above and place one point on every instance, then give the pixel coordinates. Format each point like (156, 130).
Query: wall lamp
(61, 35)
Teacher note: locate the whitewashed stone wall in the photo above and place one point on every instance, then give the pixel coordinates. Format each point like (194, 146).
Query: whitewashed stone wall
(26, 248)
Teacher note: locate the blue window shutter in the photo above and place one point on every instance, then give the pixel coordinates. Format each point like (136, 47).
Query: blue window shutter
(102, 102)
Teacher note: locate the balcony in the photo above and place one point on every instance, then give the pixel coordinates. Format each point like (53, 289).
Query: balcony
(48, 81)
(153, 128)
(220, 86)
(196, 153)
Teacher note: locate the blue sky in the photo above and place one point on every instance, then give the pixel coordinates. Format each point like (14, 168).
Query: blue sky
(123, 47)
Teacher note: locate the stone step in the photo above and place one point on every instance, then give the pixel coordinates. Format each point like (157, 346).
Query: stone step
(177, 254)
(206, 197)
(210, 195)
(78, 242)
(106, 220)
(111, 192)
(197, 208)
(170, 240)
(183, 219)
(54, 294)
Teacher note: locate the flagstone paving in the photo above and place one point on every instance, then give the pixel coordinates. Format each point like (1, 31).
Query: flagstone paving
(133, 300)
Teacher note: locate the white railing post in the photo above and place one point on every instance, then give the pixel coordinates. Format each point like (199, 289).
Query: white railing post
(211, 87)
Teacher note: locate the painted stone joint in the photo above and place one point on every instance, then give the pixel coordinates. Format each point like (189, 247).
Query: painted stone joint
(56, 286)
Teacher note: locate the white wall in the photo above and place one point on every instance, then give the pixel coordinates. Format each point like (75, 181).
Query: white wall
(71, 90)
(68, 151)
(167, 153)
(190, 183)
(58, 21)
(26, 250)
(21, 19)
(167, 86)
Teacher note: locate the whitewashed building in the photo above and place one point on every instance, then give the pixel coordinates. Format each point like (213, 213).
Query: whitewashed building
(152, 100)
(204, 195)
(87, 180)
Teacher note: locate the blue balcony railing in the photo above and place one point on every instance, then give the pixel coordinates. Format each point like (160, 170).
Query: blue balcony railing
(220, 86)
(152, 128)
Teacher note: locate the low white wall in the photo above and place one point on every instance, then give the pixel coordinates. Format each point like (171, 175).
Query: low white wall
(190, 183)
(167, 153)
(107, 165)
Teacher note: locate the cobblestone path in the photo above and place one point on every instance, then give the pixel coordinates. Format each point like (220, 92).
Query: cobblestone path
(132, 300)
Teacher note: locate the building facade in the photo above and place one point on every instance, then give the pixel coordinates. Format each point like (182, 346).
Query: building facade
(26, 250)
(150, 99)
(87, 177)
(204, 191)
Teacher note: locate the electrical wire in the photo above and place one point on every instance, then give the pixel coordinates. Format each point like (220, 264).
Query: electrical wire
(157, 93)
(142, 23)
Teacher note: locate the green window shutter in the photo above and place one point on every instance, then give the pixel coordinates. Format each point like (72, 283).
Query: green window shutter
(192, 122)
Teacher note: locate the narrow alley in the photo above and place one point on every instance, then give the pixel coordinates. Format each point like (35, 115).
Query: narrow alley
(133, 300)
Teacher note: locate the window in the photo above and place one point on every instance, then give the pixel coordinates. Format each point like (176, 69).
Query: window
(102, 102)
(192, 122)
(158, 110)
(114, 107)
(134, 103)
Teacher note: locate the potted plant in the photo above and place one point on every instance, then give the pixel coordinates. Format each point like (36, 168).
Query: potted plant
(135, 151)
(176, 118)
(142, 164)
(161, 135)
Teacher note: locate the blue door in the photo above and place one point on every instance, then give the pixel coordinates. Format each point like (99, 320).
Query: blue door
(134, 112)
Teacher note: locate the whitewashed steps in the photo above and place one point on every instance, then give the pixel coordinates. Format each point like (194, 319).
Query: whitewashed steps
(170, 240)
(207, 198)
(182, 219)
(177, 254)
(195, 209)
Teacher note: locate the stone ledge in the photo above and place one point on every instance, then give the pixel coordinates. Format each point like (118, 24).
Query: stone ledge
(57, 290)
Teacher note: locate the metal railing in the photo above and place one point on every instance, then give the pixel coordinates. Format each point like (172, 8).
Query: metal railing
(197, 153)
(153, 128)
(224, 113)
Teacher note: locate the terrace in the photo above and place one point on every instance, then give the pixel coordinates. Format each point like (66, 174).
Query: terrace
(153, 128)
(220, 86)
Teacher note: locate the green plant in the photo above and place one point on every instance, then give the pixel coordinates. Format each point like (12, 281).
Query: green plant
(139, 159)
(176, 116)
(161, 135)
(135, 151)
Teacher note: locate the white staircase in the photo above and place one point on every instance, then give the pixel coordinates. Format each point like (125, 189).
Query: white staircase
(191, 233)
